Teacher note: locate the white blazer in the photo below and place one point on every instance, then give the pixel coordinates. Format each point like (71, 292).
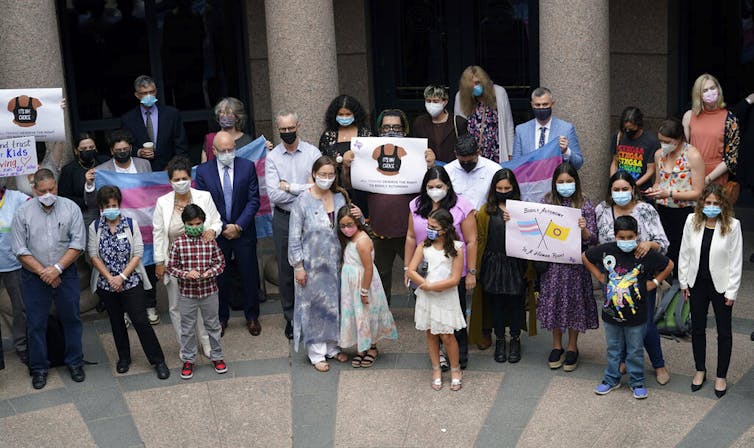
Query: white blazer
(725, 257)
(163, 211)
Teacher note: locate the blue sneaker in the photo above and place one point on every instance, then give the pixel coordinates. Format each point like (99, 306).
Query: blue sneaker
(603, 388)
(640, 392)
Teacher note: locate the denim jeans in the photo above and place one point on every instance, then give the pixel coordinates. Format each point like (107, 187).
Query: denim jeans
(630, 340)
(651, 335)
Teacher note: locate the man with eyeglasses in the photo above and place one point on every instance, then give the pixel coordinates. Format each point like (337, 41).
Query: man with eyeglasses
(288, 173)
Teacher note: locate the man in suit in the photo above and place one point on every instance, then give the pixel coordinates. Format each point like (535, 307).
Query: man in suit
(160, 125)
(232, 182)
(544, 127)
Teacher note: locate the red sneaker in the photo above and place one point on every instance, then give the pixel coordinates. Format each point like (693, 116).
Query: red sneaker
(220, 366)
(188, 370)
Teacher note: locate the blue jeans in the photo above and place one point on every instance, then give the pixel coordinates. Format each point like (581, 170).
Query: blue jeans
(38, 297)
(631, 341)
(651, 335)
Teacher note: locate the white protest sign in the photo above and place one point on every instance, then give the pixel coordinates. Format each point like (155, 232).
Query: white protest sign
(388, 165)
(18, 156)
(543, 232)
(32, 112)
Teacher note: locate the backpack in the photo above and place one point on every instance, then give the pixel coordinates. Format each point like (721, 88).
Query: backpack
(673, 314)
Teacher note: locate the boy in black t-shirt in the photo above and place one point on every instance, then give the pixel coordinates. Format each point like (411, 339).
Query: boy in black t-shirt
(627, 280)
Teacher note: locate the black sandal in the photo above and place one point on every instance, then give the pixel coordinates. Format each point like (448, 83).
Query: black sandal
(368, 359)
(357, 360)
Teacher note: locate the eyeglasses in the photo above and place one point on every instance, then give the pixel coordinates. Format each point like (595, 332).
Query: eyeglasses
(393, 127)
(288, 129)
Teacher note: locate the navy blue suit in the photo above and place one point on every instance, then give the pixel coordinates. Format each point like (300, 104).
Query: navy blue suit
(245, 204)
(171, 136)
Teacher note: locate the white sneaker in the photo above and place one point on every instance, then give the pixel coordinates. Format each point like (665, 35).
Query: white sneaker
(126, 320)
(152, 316)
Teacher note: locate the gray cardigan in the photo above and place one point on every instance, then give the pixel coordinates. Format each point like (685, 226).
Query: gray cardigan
(137, 250)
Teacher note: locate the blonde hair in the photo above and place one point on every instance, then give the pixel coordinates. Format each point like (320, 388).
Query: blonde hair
(696, 93)
(233, 106)
(466, 85)
(726, 209)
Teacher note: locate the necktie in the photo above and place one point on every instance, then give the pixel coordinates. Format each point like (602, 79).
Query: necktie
(227, 192)
(150, 129)
(542, 136)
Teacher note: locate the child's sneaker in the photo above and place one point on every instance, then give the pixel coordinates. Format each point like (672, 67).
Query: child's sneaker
(640, 392)
(220, 366)
(188, 370)
(603, 388)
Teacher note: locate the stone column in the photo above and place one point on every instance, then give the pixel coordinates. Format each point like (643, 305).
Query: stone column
(303, 64)
(574, 58)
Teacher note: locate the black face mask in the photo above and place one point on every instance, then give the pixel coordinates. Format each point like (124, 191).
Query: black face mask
(502, 197)
(468, 165)
(87, 157)
(288, 137)
(122, 156)
(542, 114)
(631, 133)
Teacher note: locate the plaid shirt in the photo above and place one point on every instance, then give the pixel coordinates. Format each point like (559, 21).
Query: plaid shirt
(194, 254)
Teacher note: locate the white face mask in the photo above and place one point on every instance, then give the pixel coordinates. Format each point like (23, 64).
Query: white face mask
(436, 194)
(434, 109)
(667, 148)
(181, 186)
(324, 183)
(226, 158)
(47, 199)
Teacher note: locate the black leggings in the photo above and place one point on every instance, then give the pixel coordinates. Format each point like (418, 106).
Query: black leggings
(506, 309)
(702, 294)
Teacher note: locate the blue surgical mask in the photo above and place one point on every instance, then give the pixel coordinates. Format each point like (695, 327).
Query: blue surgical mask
(344, 121)
(148, 100)
(621, 197)
(111, 214)
(566, 190)
(627, 245)
(478, 90)
(432, 234)
(711, 211)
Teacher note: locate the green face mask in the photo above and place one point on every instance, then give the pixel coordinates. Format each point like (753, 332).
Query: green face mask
(194, 230)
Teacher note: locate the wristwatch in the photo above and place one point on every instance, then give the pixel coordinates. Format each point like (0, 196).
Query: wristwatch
(472, 271)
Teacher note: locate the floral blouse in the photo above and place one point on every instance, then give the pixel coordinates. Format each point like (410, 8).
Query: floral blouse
(330, 137)
(731, 141)
(650, 227)
(677, 179)
(483, 123)
(115, 252)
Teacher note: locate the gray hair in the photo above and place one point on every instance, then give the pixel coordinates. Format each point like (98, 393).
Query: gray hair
(234, 106)
(285, 113)
(435, 91)
(143, 81)
(541, 91)
(43, 174)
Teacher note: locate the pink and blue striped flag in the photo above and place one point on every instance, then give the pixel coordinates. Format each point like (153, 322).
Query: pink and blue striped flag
(534, 171)
(140, 192)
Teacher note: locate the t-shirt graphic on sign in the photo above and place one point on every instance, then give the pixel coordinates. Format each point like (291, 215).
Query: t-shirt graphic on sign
(388, 158)
(24, 109)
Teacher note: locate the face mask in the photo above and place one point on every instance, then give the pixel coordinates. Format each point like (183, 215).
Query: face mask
(392, 134)
(324, 183)
(288, 137)
(349, 231)
(227, 122)
(542, 114)
(87, 157)
(182, 186)
(122, 156)
(47, 199)
(711, 211)
(667, 148)
(478, 90)
(434, 109)
(194, 231)
(468, 165)
(226, 158)
(566, 190)
(710, 96)
(148, 100)
(621, 197)
(111, 213)
(630, 133)
(436, 194)
(432, 234)
(627, 245)
(502, 197)
(344, 121)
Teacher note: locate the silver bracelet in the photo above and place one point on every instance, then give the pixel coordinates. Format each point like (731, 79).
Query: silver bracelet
(59, 268)
(364, 291)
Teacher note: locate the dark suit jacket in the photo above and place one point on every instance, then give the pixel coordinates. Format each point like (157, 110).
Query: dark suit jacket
(446, 147)
(245, 193)
(745, 114)
(71, 186)
(171, 136)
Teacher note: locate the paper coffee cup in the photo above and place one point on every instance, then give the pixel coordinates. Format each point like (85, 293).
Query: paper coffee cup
(148, 145)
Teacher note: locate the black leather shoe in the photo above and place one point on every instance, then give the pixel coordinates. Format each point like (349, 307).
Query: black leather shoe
(289, 330)
(500, 350)
(515, 346)
(122, 365)
(696, 387)
(163, 372)
(77, 373)
(38, 379)
(720, 393)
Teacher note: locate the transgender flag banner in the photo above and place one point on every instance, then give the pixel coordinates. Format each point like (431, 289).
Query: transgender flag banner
(534, 171)
(140, 193)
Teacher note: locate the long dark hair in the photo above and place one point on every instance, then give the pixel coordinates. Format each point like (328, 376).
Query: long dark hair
(554, 198)
(342, 213)
(347, 102)
(335, 187)
(503, 174)
(445, 219)
(621, 175)
(424, 204)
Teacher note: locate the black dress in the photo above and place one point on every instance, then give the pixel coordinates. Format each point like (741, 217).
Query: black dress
(499, 273)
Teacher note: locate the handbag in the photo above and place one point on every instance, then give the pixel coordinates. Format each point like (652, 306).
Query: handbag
(732, 191)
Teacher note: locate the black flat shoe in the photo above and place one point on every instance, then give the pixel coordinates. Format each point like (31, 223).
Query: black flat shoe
(696, 387)
(38, 380)
(122, 365)
(163, 372)
(500, 350)
(77, 373)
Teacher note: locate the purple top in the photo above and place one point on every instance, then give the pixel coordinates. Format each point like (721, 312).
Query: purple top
(153, 115)
(460, 211)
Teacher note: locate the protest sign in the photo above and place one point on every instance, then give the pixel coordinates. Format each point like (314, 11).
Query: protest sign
(543, 232)
(388, 165)
(32, 112)
(18, 156)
